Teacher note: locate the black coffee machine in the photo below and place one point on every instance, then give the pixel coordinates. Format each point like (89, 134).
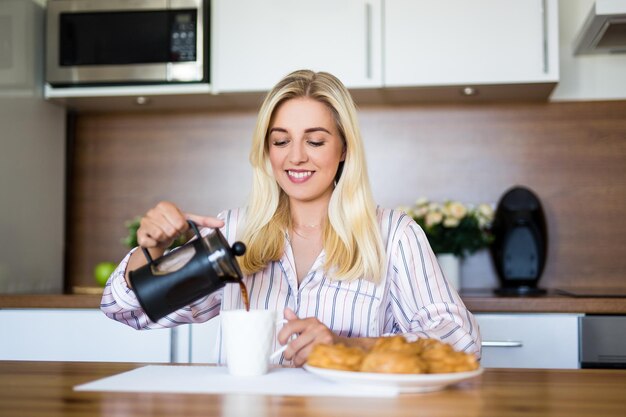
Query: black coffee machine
(520, 243)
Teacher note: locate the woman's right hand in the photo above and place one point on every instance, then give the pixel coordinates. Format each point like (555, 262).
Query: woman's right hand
(160, 226)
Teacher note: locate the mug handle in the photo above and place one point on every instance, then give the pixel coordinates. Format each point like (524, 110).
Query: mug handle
(195, 231)
(280, 350)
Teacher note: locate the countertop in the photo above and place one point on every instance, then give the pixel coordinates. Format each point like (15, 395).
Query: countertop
(45, 389)
(476, 301)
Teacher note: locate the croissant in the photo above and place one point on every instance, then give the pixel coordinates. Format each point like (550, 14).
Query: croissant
(394, 355)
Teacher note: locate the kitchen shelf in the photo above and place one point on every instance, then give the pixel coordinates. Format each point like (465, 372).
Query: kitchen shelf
(475, 302)
(145, 97)
(126, 90)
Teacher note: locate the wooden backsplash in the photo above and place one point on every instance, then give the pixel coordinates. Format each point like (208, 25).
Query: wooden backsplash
(573, 155)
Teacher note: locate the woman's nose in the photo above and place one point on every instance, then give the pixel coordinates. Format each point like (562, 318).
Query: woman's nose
(297, 153)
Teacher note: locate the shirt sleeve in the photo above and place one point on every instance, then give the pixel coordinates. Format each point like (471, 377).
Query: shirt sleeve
(423, 304)
(120, 303)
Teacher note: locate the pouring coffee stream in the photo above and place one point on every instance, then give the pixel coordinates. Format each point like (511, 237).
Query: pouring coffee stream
(197, 269)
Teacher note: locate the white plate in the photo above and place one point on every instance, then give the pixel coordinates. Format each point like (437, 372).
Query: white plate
(405, 383)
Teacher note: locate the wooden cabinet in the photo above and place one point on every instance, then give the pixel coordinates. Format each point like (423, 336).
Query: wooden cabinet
(529, 340)
(456, 42)
(255, 43)
(77, 335)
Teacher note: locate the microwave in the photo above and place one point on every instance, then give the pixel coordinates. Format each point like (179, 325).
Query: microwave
(121, 42)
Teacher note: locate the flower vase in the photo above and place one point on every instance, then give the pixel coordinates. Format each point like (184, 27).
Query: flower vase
(451, 267)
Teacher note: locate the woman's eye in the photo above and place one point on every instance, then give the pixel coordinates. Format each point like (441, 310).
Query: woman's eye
(316, 143)
(279, 142)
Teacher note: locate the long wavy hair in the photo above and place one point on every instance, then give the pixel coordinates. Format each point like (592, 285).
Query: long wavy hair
(351, 236)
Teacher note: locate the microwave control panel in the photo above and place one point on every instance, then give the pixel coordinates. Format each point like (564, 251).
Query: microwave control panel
(183, 36)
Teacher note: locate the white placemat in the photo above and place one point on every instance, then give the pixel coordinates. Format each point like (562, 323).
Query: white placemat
(216, 380)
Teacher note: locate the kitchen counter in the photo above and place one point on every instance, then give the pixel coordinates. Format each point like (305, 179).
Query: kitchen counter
(45, 389)
(487, 302)
(476, 301)
(50, 301)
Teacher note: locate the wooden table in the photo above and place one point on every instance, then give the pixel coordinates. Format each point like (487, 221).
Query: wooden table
(44, 389)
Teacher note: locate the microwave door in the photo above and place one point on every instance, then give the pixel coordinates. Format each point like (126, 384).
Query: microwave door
(115, 46)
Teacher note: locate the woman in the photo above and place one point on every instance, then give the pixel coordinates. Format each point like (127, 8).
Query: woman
(341, 269)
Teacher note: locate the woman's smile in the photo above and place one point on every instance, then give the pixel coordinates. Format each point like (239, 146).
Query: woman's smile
(299, 176)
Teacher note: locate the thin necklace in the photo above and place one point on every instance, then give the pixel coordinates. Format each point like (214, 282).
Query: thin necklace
(310, 227)
(307, 226)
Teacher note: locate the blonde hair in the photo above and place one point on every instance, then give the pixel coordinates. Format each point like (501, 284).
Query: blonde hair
(351, 236)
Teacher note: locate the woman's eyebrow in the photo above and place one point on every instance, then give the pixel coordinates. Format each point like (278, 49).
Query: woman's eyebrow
(309, 130)
(316, 129)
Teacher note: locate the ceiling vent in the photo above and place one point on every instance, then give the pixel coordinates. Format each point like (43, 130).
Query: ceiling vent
(604, 30)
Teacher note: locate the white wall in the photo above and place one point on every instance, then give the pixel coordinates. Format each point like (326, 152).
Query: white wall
(585, 77)
(32, 158)
(32, 193)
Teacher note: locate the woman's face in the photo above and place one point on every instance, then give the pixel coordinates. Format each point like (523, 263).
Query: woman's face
(305, 149)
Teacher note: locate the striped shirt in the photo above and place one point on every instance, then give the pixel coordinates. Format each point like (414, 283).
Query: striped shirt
(413, 298)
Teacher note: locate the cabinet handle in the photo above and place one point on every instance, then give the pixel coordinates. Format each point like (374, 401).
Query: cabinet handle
(544, 22)
(368, 40)
(502, 343)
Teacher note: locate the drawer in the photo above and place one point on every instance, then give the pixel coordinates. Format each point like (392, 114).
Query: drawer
(77, 335)
(529, 340)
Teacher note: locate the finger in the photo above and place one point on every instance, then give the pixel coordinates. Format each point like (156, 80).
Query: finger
(151, 227)
(157, 220)
(318, 334)
(205, 221)
(314, 333)
(145, 241)
(173, 218)
(292, 327)
(303, 354)
(169, 225)
(289, 314)
(299, 343)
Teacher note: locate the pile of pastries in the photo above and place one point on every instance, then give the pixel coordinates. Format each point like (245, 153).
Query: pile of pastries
(394, 355)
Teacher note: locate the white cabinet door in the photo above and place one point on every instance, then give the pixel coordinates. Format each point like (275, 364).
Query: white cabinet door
(77, 335)
(452, 42)
(21, 50)
(529, 340)
(255, 43)
(204, 341)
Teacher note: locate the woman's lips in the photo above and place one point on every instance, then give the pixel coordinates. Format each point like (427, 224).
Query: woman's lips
(299, 176)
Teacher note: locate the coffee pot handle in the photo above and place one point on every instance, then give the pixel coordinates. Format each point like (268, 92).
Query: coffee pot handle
(195, 231)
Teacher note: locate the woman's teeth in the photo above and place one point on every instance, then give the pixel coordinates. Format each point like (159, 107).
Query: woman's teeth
(299, 175)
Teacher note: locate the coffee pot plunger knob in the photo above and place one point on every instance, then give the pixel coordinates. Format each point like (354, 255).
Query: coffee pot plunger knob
(238, 249)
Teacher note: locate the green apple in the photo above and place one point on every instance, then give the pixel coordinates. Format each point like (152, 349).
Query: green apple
(103, 271)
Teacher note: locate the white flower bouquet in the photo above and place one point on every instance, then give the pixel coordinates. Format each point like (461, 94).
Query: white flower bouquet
(453, 227)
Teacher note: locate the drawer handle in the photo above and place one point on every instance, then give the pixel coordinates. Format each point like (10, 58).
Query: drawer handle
(502, 343)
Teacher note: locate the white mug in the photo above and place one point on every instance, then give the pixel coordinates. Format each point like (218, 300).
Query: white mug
(248, 340)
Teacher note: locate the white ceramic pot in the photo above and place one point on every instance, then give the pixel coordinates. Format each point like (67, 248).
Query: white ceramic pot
(451, 268)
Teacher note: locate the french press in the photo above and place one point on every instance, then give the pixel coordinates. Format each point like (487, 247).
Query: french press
(186, 274)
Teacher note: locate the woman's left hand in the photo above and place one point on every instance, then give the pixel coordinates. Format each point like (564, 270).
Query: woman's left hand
(309, 332)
